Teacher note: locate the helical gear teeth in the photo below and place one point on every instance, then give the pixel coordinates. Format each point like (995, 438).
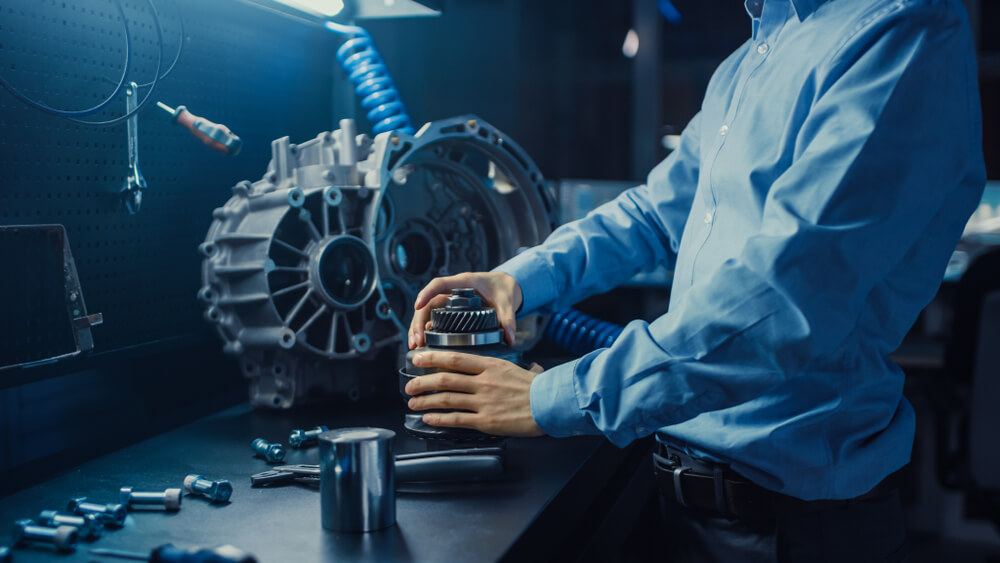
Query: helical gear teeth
(463, 321)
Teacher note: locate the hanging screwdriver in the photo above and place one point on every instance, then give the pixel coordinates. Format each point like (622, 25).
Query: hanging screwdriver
(167, 553)
(215, 135)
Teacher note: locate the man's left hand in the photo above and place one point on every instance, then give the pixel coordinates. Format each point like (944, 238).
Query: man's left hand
(496, 393)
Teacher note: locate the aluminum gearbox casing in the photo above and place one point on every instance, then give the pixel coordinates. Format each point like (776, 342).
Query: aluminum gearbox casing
(320, 260)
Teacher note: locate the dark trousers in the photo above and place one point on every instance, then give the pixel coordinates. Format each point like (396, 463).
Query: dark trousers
(864, 530)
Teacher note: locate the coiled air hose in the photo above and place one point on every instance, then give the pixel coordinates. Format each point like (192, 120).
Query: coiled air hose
(372, 83)
(577, 332)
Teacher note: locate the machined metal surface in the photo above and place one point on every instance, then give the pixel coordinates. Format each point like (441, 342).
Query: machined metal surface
(448, 339)
(320, 260)
(357, 479)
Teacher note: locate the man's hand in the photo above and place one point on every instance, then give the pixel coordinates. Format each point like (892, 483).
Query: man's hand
(496, 392)
(498, 289)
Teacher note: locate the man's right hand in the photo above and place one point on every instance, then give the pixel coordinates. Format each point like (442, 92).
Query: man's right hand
(498, 289)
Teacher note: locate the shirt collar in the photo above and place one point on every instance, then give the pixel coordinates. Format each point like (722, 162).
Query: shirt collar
(803, 8)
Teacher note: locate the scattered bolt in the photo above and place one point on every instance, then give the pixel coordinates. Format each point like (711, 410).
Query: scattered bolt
(109, 514)
(169, 499)
(273, 453)
(63, 537)
(216, 491)
(305, 438)
(89, 526)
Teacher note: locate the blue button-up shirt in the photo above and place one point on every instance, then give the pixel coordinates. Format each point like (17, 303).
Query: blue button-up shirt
(808, 215)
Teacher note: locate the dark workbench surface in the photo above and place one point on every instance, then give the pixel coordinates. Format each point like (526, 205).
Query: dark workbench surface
(549, 485)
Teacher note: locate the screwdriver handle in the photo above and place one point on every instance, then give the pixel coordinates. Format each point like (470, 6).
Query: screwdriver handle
(215, 135)
(167, 553)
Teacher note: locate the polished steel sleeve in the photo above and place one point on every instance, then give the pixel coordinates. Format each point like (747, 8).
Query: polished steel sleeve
(357, 479)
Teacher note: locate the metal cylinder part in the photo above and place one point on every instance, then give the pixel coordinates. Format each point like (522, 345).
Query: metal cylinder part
(357, 479)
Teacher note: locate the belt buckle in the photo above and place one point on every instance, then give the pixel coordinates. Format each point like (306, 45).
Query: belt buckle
(678, 489)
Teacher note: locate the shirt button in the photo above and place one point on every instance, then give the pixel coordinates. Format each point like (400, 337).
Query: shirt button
(723, 130)
(762, 48)
(708, 217)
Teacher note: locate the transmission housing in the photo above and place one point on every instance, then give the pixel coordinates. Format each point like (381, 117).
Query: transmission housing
(317, 264)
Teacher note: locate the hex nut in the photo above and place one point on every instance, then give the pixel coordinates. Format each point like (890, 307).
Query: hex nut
(223, 490)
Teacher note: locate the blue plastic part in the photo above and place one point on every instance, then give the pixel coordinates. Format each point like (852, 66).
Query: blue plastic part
(580, 333)
(372, 83)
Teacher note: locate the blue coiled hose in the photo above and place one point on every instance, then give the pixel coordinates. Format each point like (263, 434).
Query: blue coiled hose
(577, 332)
(580, 333)
(370, 76)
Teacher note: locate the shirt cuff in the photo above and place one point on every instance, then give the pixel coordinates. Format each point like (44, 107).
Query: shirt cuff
(554, 406)
(530, 271)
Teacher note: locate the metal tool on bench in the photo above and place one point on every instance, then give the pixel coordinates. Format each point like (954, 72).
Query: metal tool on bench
(169, 499)
(443, 465)
(357, 489)
(64, 538)
(135, 184)
(89, 526)
(273, 453)
(305, 438)
(216, 491)
(167, 553)
(113, 515)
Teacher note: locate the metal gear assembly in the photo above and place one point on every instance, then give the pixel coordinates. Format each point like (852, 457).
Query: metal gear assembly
(318, 262)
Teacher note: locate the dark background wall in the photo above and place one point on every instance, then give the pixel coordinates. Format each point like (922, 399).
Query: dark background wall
(549, 73)
(155, 362)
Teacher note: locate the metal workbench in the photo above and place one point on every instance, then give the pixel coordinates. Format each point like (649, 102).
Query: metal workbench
(557, 497)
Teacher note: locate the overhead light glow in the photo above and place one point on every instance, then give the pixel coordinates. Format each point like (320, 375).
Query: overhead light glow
(631, 45)
(325, 8)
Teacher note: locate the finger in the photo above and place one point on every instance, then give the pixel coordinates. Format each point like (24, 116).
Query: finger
(428, 325)
(451, 419)
(536, 368)
(508, 322)
(441, 381)
(455, 361)
(462, 401)
(438, 286)
(420, 322)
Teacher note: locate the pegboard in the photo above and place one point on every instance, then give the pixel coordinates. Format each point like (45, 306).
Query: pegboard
(263, 74)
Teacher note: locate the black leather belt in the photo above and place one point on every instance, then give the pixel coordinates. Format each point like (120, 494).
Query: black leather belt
(716, 488)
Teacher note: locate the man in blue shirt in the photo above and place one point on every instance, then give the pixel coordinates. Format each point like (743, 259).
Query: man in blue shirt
(808, 215)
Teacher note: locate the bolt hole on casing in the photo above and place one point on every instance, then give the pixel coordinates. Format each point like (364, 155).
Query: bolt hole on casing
(319, 261)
